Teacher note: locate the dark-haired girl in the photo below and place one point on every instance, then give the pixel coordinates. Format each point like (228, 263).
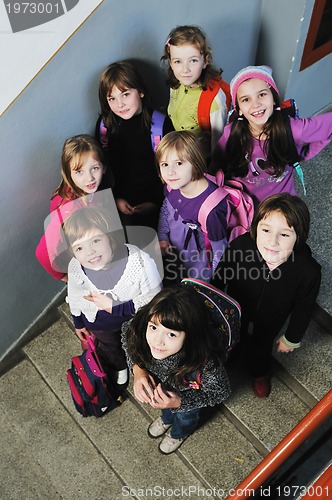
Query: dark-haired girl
(129, 142)
(176, 362)
(256, 149)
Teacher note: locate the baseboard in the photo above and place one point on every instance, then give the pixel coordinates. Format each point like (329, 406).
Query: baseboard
(49, 316)
(327, 109)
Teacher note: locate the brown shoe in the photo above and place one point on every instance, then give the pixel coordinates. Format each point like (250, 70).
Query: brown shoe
(261, 386)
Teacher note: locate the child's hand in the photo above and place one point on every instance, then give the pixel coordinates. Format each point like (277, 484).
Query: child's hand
(165, 247)
(124, 206)
(145, 208)
(102, 301)
(282, 347)
(82, 334)
(164, 399)
(144, 385)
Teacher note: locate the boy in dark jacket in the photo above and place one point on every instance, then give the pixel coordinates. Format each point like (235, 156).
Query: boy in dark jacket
(272, 274)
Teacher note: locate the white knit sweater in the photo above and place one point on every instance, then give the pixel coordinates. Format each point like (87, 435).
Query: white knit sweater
(139, 282)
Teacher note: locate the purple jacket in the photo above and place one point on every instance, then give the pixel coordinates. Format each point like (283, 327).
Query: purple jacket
(178, 224)
(315, 131)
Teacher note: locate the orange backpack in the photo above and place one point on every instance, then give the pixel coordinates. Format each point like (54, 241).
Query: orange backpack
(206, 98)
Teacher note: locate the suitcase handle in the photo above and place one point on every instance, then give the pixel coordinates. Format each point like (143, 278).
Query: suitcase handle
(91, 343)
(95, 362)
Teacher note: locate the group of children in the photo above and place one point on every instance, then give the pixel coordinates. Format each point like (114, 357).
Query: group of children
(157, 167)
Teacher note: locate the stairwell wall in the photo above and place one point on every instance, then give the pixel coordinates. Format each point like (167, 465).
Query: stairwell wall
(62, 101)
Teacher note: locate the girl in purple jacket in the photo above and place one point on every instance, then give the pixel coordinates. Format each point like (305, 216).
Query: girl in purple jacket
(187, 248)
(255, 150)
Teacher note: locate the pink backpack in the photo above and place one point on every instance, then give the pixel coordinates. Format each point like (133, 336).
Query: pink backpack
(240, 207)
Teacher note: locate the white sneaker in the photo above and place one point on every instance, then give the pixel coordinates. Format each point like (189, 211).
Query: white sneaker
(169, 444)
(158, 428)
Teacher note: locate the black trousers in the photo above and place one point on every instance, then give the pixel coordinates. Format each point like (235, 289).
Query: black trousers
(110, 349)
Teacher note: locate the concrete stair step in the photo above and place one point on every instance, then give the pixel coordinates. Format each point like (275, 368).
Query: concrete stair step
(120, 436)
(44, 454)
(197, 464)
(66, 315)
(217, 452)
(217, 456)
(307, 371)
(265, 422)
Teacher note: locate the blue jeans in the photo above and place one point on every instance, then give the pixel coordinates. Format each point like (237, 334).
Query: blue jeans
(183, 422)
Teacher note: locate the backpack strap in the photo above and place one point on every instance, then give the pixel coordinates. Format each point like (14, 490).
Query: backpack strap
(294, 157)
(290, 108)
(240, 207)
(103, 134)
(210, 202)
(157, 126)
(206, 98)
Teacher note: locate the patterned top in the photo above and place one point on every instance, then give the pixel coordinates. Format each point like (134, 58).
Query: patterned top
(213, 388)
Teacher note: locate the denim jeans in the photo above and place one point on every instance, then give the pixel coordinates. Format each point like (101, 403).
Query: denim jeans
(183, 422)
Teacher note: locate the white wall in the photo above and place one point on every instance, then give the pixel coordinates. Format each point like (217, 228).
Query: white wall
(62, 101)
(24, 53)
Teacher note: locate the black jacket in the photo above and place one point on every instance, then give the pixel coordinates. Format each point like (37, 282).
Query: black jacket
(268, 297)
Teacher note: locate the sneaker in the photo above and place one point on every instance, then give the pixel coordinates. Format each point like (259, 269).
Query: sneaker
(261, 386)
(169, 444)
(158, 428)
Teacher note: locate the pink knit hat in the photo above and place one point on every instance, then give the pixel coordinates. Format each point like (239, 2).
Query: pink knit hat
(262, 72)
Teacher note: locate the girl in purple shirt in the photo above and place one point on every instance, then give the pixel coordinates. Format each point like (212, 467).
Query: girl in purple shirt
(190, 251)
(255, 151)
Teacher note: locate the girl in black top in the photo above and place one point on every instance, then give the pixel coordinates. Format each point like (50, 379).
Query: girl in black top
(272, 274)
(126, 130)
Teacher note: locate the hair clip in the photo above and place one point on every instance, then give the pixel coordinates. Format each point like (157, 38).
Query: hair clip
(167, 42)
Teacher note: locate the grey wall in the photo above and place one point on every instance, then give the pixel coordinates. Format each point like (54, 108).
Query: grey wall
(279, 30)
(317, 77)
(62, 101)
(283, 31)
